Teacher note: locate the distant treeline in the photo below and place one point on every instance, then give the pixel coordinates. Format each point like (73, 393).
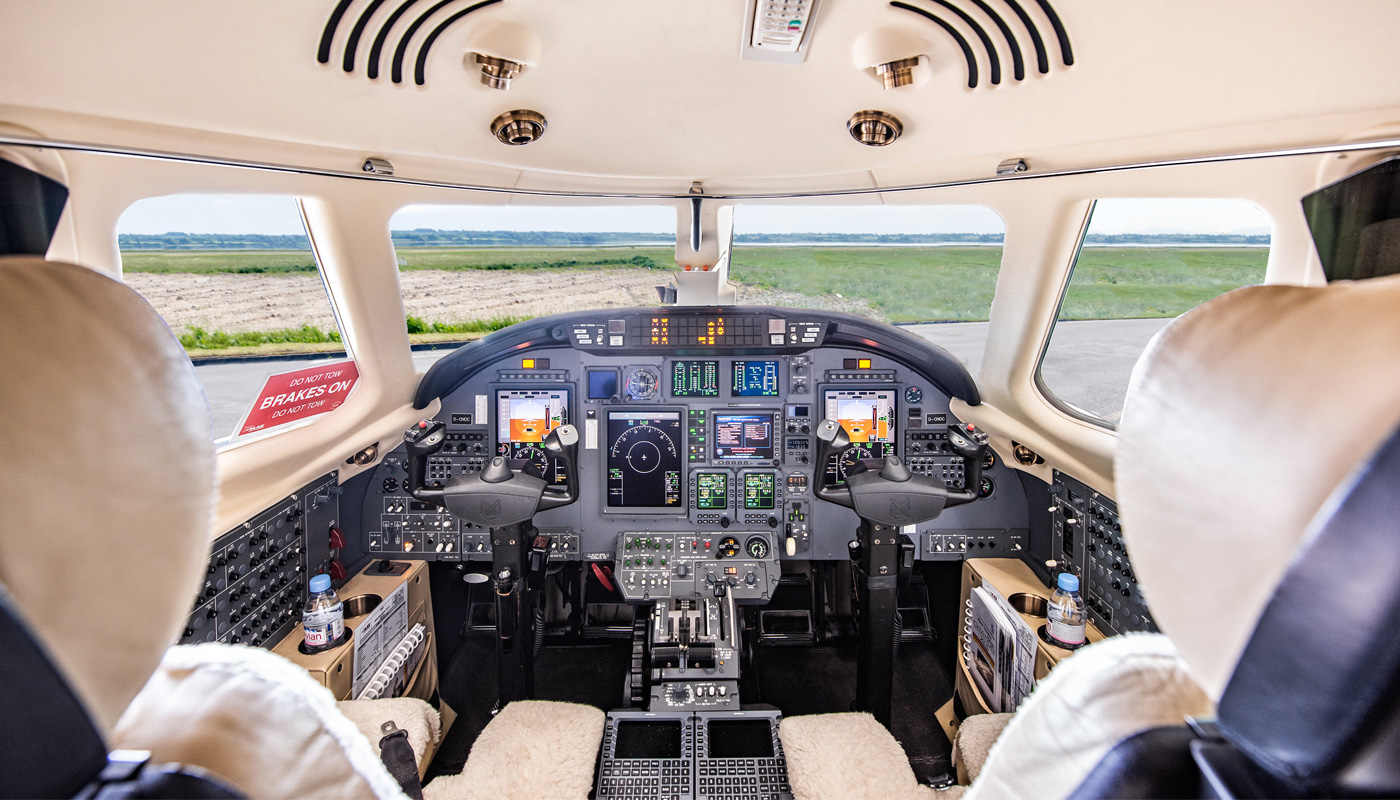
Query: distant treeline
(429, 237)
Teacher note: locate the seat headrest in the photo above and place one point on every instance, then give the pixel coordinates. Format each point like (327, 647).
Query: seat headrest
(108, 476)
(1241, 419)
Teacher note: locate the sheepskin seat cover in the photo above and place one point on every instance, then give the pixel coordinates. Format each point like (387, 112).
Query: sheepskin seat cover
(532, 750)
(256, 720)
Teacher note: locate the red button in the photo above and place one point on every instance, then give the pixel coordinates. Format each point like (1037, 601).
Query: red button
(971, 427)
(422, 423)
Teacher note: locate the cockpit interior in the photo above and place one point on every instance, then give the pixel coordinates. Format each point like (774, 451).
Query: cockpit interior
(751, 399)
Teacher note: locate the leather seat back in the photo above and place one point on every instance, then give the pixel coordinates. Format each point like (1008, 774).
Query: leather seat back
(1241, 420)
(108, 473)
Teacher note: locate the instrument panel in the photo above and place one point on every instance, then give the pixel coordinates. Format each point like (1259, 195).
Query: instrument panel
(694, 420)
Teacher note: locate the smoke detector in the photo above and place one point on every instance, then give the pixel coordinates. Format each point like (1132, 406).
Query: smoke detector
(518, 127)
(874, 128)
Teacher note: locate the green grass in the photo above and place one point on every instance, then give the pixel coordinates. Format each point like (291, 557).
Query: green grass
(903, 284)
(499, 258)
(196, 338)
(418, 325)
(1138, 282)
(215, 261)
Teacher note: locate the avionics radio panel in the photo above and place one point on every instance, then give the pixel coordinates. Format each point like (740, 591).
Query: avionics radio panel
(255, 584)
(1087, 539)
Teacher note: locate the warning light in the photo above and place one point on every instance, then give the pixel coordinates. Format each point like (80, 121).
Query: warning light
(528, 363)
(864, 363)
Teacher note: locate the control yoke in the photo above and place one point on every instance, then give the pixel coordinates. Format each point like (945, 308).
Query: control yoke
(887, 499)
(505, 500)
(498, 495)
(894, 495)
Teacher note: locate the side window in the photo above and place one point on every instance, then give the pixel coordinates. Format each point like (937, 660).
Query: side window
(1143, 263)
(238, 283)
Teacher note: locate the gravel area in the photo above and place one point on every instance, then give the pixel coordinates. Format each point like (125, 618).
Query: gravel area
(233, 303)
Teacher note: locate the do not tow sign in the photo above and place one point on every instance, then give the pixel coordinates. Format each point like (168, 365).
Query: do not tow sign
(289, 397)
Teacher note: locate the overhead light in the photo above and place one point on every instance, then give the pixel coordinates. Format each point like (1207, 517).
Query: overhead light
(518, 127)
(874, 128)
(895, 74)
(497, 72)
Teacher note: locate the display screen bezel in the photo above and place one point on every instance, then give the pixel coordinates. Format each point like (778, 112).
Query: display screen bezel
(674, 363)
(775, 420)
(605, 446)
(777, 377)
(498, 391)
(896, 392)
(743, 489)
(700, 475)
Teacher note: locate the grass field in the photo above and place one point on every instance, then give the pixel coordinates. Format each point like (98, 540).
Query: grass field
(898, 284)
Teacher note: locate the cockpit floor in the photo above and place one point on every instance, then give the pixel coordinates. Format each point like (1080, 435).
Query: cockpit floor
(594, 674)
(822, 680)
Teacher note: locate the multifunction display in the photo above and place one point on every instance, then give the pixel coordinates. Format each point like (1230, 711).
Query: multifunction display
(744, 436)
(755, 379)
(760, 490)
(644, 459)
(868, 416)
(712, 491)
(524, 417)
(695, 378)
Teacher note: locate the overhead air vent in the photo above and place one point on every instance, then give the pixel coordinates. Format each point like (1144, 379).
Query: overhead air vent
(874, 128)
(957, 16)
(518, 127)
(400, 25)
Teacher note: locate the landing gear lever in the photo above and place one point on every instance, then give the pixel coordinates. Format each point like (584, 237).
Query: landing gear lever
(886, 499)
(504, 500)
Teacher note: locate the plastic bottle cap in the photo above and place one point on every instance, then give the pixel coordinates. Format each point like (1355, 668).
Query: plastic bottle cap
(1068, 582)
(321, 583)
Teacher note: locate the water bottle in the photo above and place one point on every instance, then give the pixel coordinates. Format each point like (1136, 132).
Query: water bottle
(1067, 613)
(323, 617)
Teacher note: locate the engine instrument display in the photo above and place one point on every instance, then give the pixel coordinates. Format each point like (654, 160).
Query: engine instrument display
(755, 379)
(695, 378)
(524, 417)
(712, 491)
(644, 459)
(748, 437)
(868, 415)
(760, 490)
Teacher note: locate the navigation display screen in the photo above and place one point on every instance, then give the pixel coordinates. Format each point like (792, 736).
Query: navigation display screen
(523, 418)
(644, 459)
(695, 379)
(755, 379)
(744, 436)
(760, 490)
(868, 416)
(712, 491)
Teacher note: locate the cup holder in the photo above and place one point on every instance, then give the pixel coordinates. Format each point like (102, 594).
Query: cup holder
(362, 604)
(1032, 605)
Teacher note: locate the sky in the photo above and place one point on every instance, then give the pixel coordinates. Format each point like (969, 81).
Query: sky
(229, 214)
